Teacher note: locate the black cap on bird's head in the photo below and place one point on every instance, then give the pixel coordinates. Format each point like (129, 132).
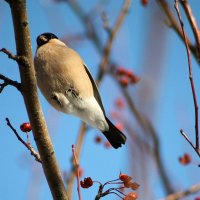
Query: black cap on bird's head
(44, 38)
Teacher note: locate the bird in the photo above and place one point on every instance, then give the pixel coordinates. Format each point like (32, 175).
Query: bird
(67, 84)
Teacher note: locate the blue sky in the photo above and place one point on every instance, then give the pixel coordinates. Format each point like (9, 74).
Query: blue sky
(169, 108)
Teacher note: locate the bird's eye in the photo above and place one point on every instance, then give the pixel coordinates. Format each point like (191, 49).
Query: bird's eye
(41, 40)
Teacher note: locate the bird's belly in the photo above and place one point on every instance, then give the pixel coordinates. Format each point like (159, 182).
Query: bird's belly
(92, 114)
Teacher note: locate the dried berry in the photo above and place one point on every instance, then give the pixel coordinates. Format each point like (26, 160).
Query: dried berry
(131, 196)
(124, 177)
(185, 159)
(86, 183)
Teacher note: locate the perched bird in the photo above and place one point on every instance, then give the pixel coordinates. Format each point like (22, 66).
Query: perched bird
(68, 86)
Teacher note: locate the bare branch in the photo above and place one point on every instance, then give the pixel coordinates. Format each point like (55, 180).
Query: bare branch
(7, 82)
(77, 166)
(193, 23)
(79, 145)
(19, 59)
(179, 195)
(108, 46)
(174, 24)
(190, 77)
(10, 55)
(86, 21)
(189, 141)
(27, 145)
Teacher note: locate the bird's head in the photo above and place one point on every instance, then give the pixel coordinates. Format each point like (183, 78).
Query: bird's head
(45, 38)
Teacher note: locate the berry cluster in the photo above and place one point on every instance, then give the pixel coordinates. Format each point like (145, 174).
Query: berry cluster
(123, 181)
(127, 182)
(126, 77)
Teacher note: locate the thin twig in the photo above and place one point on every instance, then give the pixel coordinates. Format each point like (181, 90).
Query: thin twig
(108, 46)
(188, 139)
(77, 166)
(10, 54)
(27, 145)
(86, 21)
(179, 195)
(79, 144)
(193, 23)
(18, 59)
(174, 24)
(7, 82)
(190, 77)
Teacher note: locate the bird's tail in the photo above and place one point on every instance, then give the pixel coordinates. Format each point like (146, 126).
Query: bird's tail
(114, 135)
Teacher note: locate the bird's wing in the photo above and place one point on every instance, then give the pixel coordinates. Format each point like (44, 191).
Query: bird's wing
(95, 89)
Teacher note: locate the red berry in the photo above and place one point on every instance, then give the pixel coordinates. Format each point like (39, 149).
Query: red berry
(124, 81)
(127, 184)
(98, 139)
(134, 79)
(134, 186)
(131, 196)
(121, 71)
(185, 159)
(86, 183)
(107, 144)
(129, 73)
(25, 127)
(124, 177)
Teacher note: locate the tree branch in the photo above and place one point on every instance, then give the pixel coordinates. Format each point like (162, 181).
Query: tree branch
(179, 195)
(10, 55)
(79, 145)
(189, 141)
(193, 23)
(7, 82)
(29, 91)
(190, 77)
(27, 145)
(108, 46)
(77, 166)
(19, 59)
(86, 21)
(174, 24)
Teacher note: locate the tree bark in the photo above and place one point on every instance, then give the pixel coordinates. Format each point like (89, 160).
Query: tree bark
(29, 92)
